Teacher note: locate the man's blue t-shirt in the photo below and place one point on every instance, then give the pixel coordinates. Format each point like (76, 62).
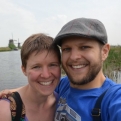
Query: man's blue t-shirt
(76, 104)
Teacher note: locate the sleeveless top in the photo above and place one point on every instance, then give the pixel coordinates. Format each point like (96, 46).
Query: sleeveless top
(12, 102)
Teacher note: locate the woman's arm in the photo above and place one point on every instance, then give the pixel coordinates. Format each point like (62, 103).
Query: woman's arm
(5, 113)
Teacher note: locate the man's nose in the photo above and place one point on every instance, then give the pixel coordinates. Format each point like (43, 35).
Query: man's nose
(75, 54)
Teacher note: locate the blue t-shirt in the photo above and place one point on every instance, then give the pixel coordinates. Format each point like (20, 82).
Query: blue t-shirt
(77, 104)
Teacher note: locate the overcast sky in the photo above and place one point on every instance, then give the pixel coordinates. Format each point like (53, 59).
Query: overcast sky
(21, 18)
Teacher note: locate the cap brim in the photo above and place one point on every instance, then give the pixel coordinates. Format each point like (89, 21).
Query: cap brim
(58, 40)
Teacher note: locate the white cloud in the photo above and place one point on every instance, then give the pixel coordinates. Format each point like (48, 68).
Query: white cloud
(15, 20)
(23, 18)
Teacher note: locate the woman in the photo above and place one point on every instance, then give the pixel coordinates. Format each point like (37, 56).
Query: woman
(41, 66)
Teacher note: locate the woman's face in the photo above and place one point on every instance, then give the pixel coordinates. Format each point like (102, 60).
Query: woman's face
(43, 72)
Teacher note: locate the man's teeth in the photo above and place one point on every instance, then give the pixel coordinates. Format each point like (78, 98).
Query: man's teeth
(78, 66)
(45, 83)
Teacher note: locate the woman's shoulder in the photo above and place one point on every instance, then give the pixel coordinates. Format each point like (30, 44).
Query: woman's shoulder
(14, 101)
(5, 114)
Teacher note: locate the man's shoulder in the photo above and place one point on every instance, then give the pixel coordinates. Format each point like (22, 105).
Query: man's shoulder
(113, 94)
(111, 103)
(109, 82)
(113, 88)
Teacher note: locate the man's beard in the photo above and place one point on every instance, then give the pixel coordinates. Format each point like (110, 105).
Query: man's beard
(94, 70)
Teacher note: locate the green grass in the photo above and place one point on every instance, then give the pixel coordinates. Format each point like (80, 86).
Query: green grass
(113, 62)
(2, 49)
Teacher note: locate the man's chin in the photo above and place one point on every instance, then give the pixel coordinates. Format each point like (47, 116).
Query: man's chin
(75, 81)
(79, 81)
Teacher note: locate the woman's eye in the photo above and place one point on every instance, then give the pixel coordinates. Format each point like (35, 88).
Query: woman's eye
(36, 67)
(52, 65)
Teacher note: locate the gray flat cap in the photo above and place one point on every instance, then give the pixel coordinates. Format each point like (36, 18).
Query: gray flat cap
(83, 27)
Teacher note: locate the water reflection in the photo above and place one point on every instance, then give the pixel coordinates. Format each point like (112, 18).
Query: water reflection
(116, 75)
(11, 75)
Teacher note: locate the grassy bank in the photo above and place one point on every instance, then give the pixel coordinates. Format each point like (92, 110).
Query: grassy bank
(2, 49)
(113, 62)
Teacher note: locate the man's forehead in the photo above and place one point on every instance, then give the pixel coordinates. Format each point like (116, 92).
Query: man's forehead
(76, 39)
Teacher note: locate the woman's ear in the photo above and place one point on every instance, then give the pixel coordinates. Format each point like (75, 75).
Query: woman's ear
(23, 70)
(105, 51)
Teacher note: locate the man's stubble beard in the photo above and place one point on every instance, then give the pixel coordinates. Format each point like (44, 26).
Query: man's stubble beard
(92, 73)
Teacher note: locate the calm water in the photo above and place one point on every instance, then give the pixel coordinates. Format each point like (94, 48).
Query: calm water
(11, 75)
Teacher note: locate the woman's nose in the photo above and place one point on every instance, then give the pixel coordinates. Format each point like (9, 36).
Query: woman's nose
(45, 73)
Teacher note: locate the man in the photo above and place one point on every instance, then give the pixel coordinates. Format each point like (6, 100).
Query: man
(84, 48)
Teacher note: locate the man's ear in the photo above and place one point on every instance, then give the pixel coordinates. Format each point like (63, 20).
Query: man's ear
(23, 70)
(105, 51)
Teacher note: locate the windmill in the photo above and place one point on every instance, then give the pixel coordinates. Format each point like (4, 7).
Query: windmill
(13, 45)
(18, 43)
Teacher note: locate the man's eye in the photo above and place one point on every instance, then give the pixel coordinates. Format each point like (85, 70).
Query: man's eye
(65, 49)
(84, 47)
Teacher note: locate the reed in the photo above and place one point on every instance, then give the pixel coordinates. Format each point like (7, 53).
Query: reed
(113, 62)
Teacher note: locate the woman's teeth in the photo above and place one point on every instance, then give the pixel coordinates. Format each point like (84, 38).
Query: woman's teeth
(45, 83)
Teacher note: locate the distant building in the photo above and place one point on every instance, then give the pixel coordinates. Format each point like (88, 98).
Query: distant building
(19, 44)
(11, 42)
